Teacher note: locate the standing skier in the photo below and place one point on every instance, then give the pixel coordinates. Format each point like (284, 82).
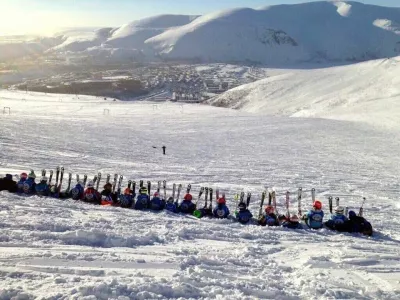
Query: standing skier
(243, 215)
(292, 223)
(269, 217)
(221, 211)
(42, 189)
(91, 195)
(143, 200)
(8, 184)
(314, 218)
(338, 220)
(156, 202)
(30, 184)
(187, 206)
(20, 185)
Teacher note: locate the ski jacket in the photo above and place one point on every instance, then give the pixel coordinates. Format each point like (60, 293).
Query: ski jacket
(8, 185)
(157, 203)
(292, 225)
(171, 207)
(361, 225)
(142, 201)
(29, 186)
(91, 196)
(42, 189)
(187, 207)
(77, 192)
(221, 211)
(269, 219)
(126, 201)
(338, 219)
(107, 198)
(314, 219)
(20, 185)
(244, 216)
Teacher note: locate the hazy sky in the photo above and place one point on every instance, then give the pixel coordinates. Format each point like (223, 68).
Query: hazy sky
(47, 16)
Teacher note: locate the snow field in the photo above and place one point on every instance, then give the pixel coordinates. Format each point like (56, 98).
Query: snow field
(53, 249)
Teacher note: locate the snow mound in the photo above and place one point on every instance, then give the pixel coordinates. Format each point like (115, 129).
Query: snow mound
(283, 33)
(368, 91)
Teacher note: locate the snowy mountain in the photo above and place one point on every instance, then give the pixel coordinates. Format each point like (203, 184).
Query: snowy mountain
(368, 91)
(335, 32)
(327, 31)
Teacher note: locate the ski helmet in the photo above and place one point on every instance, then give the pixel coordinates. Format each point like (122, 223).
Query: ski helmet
(90, 184)
(339, 210)
(294, 218)
(143, 190)
(23, 175)
(156, 194)
(32, 174)
(221, 200)
(242, 206)
(127, 191)
(8, 177)
(188, 197)
(317, 204)
(43, 178)
(170, 200)
(269, 209)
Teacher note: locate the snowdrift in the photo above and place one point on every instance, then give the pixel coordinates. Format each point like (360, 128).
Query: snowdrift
(368, 91)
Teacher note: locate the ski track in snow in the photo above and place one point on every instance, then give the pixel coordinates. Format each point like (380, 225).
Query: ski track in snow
(52, 249)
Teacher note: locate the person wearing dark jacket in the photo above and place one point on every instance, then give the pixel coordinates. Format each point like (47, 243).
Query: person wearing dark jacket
(358, 224)
(8, 184)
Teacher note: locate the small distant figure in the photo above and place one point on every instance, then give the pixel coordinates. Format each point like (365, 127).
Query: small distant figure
(163, 149)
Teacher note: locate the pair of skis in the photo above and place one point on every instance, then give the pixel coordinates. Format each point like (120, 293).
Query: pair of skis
(240, 199)
(271, 201)
(299, 201)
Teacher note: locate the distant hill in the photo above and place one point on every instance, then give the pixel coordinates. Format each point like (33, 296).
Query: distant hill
(368, 91)
(337, 32)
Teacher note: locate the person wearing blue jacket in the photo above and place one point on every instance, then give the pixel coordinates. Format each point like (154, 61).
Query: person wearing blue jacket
(156, 202)
(269, 217)
(338, 220)
(171, 206)
(243, 215)
(77, 191)
(187, 206)
(143, 199)
(314, 218)
(29, 186)
(292, 223)
(221, 211)
(42, 189)
(20, 184)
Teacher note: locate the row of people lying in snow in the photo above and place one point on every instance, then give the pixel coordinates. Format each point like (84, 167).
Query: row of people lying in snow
(268, 217)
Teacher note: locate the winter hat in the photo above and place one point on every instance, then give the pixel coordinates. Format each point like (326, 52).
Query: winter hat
(32, 174)
(107, 185)
(188, 197)
(352, 214)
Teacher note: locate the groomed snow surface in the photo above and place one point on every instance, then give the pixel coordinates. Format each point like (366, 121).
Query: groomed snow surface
(52, 249)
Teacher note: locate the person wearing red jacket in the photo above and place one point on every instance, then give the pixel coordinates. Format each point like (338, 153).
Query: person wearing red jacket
(91, 195)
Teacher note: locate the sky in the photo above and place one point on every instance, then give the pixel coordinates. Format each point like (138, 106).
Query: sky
(48, 16)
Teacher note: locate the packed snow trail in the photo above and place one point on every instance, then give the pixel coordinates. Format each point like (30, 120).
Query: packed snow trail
(54, 249)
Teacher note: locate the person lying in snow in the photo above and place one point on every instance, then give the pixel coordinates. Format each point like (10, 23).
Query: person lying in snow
(269, 217)
(243, 215)
(314, 218)
(221, 211)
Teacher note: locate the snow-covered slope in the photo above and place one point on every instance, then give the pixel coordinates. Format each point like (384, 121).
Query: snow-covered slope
(133, 35)
(334, 31)
(368, 91)
(53, 249)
